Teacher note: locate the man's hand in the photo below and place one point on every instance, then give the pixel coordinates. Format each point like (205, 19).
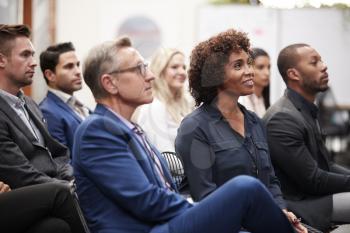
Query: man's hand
(295, 221)
(4, 187)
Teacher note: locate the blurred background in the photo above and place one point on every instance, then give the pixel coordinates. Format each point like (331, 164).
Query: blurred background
(270, 24)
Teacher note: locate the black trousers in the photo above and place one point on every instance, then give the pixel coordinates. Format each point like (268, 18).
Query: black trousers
(43, 208)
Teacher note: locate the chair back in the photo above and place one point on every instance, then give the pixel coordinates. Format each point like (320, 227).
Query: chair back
(311, 229)
(176, 167)
(77, 207)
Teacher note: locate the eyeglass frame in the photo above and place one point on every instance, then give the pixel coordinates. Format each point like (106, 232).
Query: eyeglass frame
(141, 68)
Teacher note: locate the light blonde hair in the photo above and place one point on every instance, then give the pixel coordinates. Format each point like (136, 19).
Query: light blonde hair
(178, 106)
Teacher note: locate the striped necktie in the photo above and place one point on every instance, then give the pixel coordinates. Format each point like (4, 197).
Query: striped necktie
(152, 155)
(78, 107)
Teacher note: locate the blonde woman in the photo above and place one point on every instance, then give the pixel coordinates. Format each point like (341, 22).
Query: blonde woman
(162, 117)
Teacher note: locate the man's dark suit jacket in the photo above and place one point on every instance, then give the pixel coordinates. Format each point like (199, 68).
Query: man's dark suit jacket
(308, 177)
(23, 161)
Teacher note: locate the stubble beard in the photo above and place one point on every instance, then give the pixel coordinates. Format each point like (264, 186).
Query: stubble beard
(313, 87)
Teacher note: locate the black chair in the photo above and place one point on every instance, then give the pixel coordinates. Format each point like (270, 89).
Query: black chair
(335, 124)
(77, 207)
(311, 229)
(176, 169)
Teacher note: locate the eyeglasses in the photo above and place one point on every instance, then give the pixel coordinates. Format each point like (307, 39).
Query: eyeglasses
(141, 68)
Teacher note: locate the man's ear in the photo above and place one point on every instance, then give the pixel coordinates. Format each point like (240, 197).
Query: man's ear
(3, 61)
(293, 74)
(109, 84)
(51, 76)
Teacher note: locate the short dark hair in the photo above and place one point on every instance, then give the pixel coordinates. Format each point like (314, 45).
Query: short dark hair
(102, 59)
(207, 61)
(50, 57)
(10, 32)
(288, 58)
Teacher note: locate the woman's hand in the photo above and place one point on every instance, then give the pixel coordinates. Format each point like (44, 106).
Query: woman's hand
(4, 187)
(295, 221)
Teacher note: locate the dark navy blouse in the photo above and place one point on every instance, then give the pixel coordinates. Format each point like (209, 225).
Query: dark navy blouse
(213, 152)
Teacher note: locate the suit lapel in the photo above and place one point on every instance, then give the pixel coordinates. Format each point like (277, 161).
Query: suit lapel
(138, 149)
(165, 168)
(15, 119)
(141, 154)
(38, 120)
(63, 105)
(134, 142)
(310, 123)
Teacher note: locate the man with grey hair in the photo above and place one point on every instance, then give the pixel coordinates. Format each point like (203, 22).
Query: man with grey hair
(116, 166)
(315, 188)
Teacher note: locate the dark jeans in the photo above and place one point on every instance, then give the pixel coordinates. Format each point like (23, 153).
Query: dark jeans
(43, 208)
(241, 202)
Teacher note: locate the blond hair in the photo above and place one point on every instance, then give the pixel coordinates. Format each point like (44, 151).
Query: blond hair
(177, 106)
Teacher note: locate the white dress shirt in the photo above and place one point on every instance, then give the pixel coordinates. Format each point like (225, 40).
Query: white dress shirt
(161, 129)
(72, 102)
(17, 103)
(253, 103)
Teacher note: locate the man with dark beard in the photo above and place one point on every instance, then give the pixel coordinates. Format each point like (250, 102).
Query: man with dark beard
(315, 188)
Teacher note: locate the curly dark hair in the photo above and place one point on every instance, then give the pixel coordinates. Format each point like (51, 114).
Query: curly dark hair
(208, 60)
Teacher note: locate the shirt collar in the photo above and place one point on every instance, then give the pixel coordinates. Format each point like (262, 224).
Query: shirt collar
(60, 94)
(213, 111)
(13, 100)
(302, 103)
(121, 118)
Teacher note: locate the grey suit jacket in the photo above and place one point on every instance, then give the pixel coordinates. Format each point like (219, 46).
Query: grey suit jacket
(308, 177)
(23, 161)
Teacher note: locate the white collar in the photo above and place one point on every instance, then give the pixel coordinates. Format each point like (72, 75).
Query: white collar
(60, 94)
(125, 121)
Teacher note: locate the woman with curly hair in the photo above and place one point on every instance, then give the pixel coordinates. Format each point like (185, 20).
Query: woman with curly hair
(162, 117)
(259, 101)
(221, 139)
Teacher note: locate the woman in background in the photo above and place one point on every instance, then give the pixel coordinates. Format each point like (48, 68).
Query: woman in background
(162, 117)
(259, 101)
(221, 139)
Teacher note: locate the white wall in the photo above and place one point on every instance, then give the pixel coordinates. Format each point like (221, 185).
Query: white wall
(41, 41)
(327, 30)
(184, 23)
(260, 23)
(89, 22)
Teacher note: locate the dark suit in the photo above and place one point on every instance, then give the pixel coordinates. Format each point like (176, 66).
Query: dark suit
(45, 208)
(61, 119)
(23, 161)
(119, 190)
(308, 177)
